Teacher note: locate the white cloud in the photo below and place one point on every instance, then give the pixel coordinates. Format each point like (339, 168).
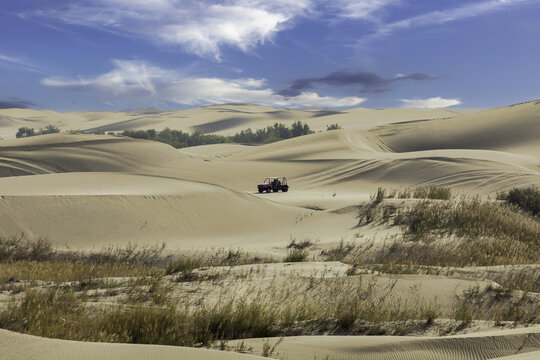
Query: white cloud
(362, 9)
(139, 81)
(199, 27)
(444, 16)
(431, 103)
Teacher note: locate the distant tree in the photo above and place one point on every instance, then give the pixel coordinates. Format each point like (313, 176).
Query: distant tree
(333, 127)
(299, 129)
(151, 133)
(25, 131)
(49, 129)
(180, 139)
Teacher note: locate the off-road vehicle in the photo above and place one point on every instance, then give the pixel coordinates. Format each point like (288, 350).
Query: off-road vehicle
(273, 183)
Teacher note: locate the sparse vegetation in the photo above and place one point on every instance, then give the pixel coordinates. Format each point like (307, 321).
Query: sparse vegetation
(304, 244)
(350, 304)
(496, 303)
(296, 255)
(472, 218)
(333, 127)
(464, 232)
(431, 192)
(37, 260)
(179, 299)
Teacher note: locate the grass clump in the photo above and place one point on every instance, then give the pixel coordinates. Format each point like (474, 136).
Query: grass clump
(464, 232)
(296, 255)
(23, 259)
(304, 244)
(469, 218)
(37, 260)
(496, 303)
(432, 192)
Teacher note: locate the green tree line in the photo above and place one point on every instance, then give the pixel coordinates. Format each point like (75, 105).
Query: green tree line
(180, 139)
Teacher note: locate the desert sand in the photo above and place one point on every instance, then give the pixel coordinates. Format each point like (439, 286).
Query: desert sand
(88, 191)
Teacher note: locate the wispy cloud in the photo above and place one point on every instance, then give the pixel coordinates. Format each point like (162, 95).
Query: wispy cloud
(369, 81)
(202, 27)
(361, 9)
(132, 81)
(21, 64)
(431, 103)
(462, 12)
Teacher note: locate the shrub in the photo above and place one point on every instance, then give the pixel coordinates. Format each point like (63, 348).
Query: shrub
(25, 131)
(527, 199)
(49, 129)
(333, 127)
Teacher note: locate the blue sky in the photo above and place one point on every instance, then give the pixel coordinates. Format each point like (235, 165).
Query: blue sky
(173, 54)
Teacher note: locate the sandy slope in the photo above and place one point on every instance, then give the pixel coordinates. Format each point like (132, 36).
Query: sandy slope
(17, 346)
(516, 344)
(471, 346)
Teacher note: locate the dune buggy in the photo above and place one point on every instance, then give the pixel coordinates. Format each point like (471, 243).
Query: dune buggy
(274, 184)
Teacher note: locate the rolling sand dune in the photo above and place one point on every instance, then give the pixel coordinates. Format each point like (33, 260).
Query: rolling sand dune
(512, 128)
(88, 191)
(98, 177)
(225, 119)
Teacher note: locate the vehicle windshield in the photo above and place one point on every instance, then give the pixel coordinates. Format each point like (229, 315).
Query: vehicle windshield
(269, 180)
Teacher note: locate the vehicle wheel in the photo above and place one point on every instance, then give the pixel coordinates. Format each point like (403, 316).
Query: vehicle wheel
(285, 189)
(268, 190)
(260, 191)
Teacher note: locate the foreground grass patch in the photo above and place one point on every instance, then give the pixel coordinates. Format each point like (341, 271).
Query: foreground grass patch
(343, 305)
(22, 259)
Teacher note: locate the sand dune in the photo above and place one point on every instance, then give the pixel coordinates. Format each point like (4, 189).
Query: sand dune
(224, 119)
(473, 346)
(149, 185)
(514, 345)
(512, 128)
(17, 346)
(89, 191)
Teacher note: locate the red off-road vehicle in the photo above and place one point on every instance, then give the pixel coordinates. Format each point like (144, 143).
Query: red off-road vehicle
(274, 184)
